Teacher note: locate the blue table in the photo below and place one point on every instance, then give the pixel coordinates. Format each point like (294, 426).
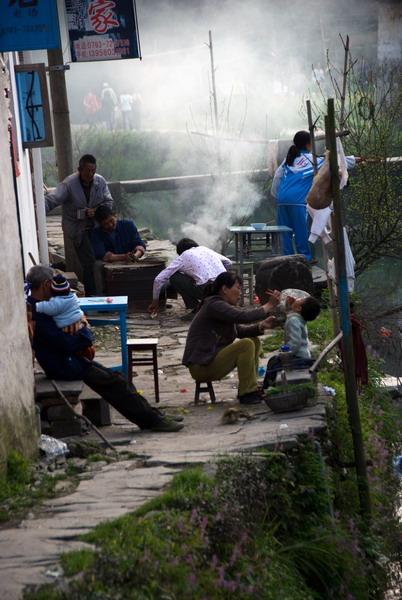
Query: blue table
(117, 304)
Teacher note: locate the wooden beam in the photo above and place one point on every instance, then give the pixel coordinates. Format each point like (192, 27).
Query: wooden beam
(345, 322)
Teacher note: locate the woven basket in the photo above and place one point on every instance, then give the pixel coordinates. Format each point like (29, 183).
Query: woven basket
(286, 401)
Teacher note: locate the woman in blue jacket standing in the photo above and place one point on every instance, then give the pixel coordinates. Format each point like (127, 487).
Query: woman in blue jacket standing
(291, 185)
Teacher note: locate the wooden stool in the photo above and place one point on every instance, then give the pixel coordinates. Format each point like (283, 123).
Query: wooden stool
(248, 277)
(144, 345)
(208, 387)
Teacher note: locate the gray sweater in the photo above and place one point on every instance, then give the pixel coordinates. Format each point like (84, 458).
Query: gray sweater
(215, 326)
(70, 193)
(296, 336)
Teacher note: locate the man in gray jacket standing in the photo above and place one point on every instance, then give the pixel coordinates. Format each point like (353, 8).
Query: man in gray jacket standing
(81, 194)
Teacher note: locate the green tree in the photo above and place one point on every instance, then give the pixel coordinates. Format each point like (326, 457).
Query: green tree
(372, 115)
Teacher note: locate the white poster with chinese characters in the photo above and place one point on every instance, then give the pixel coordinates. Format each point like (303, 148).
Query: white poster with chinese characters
(102, 29)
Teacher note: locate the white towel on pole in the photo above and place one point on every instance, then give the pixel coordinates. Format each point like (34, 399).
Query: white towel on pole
(319, 224)
(349, 264)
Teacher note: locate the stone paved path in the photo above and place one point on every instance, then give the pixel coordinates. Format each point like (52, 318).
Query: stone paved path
(29, 552)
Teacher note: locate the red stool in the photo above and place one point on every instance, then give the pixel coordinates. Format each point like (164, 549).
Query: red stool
(144, 346)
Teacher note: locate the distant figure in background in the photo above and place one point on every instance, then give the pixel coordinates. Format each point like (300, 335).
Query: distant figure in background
(113, 240)
(92, 107)
(317, 74)
(137, 105)
(109, 104)
(291, 184)
(81, 194)
(126, 107)
(189, 274)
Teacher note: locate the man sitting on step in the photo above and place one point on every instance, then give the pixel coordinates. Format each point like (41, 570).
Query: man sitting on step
(58, 354)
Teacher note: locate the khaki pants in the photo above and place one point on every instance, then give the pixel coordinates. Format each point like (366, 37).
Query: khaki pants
(243, 354)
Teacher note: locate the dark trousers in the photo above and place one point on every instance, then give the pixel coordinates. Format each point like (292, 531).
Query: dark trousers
(86, 256)
(188, 289)
(122, 395)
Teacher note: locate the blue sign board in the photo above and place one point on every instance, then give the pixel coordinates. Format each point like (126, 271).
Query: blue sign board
(102, 29)
(29, 25)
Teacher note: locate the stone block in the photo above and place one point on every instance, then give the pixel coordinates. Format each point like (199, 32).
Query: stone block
(62, 429)
(62, 413)
(281, 272)
(97, 410)
(57, 401)
(45, 389)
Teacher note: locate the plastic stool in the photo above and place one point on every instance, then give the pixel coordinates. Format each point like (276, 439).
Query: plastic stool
(204, 386)
(142, 346)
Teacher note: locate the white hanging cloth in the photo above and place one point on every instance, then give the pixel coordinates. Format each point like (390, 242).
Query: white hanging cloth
(349, 263)
(342, 164)
(319, 224)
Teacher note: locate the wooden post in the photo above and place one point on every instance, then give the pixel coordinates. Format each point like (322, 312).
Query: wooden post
(213, 83)
(215, 102)
(62, 133)
(330, 285)
(344, 83)
(344, 317)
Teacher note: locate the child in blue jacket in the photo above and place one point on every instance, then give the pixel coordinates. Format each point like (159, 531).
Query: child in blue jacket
(65, 309)
(300, 312)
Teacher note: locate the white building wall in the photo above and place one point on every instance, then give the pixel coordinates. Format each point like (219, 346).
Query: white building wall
(25, 203)
(17, 409)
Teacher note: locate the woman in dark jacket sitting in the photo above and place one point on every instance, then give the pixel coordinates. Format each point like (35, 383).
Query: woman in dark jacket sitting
(211, 351)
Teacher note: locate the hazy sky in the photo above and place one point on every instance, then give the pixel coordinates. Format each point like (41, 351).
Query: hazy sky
(262, 48)
(263, 51)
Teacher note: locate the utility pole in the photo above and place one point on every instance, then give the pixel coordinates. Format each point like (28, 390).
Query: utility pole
(345, 323)
(215, 102)
(62, 133)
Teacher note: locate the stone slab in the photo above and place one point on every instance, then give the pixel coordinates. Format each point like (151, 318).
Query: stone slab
(45, 389)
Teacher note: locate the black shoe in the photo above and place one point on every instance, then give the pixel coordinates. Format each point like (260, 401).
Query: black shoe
(189, 316)
(177, 418)
(167, 425)
(251, 398)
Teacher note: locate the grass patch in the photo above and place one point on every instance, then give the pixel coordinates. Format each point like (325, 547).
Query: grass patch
(22, 488)
(258, 529)
(76, 561)
(273, 341)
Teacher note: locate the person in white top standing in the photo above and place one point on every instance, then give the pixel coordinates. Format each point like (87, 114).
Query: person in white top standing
(188, 274)
(126, 107)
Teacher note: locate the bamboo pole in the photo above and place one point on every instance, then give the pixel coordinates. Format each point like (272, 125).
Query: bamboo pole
(214, 96)
(215, 105)
(330, 285)
(344, 83)
(344, 317)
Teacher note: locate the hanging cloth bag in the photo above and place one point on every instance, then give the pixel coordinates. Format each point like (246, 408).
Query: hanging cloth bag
(320, 194)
